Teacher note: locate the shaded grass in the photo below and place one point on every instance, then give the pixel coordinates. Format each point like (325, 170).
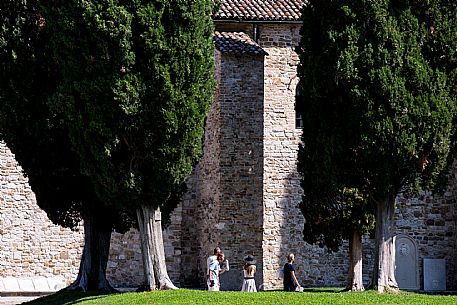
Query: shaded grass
(331, 296)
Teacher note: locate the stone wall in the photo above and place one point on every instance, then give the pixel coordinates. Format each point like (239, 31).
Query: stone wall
(281, 188)
(226, 185)
(224, 223)
(283, 221)
(125, 264)
(224, 204)
(30, 245)
(241, 161)
(431, 220)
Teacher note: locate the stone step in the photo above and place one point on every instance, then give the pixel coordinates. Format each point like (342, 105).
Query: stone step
(30, 285)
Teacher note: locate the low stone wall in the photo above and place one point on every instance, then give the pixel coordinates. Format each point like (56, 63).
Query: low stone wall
(11, 286)
(125, 265)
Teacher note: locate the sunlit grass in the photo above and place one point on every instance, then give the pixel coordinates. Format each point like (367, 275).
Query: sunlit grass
(184, 296)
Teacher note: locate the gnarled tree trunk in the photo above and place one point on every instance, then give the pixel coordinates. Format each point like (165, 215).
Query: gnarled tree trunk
(155, 270)
(355, 275)
(92, 269)
(385, 280)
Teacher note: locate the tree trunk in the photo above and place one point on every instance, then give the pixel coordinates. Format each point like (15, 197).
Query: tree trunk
(155, 270)
(92, 269)
(355, 275)
(385, 281)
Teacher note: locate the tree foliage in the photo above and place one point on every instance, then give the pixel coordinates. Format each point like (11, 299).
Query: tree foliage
(332, 219)
(103, 103)
(377, 92)
(27, 77)
(137, 81)
(40, 142)
(136, 85)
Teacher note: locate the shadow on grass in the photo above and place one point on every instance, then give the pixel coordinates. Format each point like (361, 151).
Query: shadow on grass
(437, 292)
(314, 290)
(332, 290)
(66, 298)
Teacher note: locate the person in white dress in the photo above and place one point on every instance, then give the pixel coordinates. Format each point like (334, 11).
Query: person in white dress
(249, 273)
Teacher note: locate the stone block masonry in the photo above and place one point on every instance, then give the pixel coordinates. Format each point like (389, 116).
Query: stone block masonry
(283, 221)
(430, 220)
(224, 203)
(30, 245)
(241, 163)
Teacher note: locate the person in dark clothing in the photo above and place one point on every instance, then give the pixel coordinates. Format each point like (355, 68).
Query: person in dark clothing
(290, 280)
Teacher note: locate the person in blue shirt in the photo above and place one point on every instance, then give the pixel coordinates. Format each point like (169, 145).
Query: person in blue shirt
(211, 259)
(214, 271)
(290, 279)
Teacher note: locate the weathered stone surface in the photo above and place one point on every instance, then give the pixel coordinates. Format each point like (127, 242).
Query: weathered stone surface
(406, 263)
(434, 274)
(30, 245)
(17, 285)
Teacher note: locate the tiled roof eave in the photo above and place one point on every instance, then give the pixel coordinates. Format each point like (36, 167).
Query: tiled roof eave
(237, 43)
(260, 10)
(234, 20)
(244, 53)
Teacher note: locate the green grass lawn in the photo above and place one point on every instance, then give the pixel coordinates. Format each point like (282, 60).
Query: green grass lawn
(184, 296)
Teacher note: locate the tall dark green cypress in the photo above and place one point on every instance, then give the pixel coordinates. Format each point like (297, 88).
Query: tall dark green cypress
(377, 90)
(137, 82)
(136, 86)
(40, 142)
(127, 84)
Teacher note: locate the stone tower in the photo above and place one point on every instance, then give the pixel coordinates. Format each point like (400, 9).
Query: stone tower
(245, 191)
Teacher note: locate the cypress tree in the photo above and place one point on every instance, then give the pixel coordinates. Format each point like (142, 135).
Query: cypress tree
(377, 89)
(40, 143)
(137, 82)
(126, 85)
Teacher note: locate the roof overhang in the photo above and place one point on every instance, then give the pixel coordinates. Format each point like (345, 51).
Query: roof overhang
(257, 21)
